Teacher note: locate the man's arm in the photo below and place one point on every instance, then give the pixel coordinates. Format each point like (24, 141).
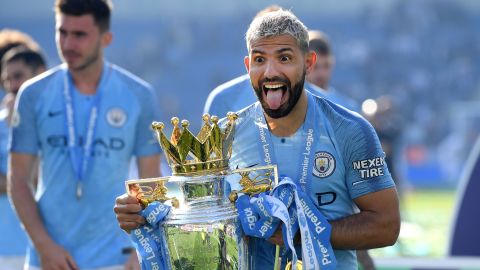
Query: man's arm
(377, 225)
(149, 166)
(22, 168)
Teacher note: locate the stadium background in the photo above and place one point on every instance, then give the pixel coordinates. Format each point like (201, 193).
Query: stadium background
(422, 53)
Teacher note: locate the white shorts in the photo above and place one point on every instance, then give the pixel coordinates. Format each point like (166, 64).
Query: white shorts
(12, 262)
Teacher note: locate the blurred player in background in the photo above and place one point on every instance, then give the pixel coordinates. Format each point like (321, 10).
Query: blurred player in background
(17, 65)
(84, 120)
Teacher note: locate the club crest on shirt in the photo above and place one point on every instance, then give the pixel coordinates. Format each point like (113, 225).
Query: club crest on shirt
(324, 165)
(116, 117)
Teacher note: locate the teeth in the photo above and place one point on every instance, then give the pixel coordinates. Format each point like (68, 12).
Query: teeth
(271, 86)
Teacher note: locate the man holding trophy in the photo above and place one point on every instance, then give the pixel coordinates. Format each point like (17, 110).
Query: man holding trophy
(329, 160)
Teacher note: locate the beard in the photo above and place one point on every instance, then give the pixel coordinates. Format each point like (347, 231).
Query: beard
(87, 60)
(295, 92)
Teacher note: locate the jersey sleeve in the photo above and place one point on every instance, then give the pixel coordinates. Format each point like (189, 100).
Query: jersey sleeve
(145, 142)
(366, 170)
(215, 105)
(24, 136)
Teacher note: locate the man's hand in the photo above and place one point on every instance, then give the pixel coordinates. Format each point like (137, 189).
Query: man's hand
(127, 210)
(55, 257)
(132, 263)
(277, 238)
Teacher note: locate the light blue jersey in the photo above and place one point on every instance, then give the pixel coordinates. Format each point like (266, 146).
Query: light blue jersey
(86, 227)
(237, 94)
(14, 240)
(348, 162)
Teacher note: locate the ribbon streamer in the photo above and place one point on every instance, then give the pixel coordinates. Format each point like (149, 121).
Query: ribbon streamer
(149, 239)
(289, 205)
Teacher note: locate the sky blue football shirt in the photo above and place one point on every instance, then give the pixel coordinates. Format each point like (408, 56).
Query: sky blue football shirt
(348, 163)
(87, 228)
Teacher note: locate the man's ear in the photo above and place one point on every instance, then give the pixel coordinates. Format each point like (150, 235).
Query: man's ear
(107, 38)
(246, 61)
(310, 60)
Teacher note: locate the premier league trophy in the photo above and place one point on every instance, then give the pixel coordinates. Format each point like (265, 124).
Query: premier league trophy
(201, 229)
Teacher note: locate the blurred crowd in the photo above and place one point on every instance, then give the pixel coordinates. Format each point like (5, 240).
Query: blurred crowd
(419, 54)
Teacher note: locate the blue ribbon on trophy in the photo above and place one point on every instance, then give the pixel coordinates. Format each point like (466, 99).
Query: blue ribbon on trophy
(149, 239)
(288, 204)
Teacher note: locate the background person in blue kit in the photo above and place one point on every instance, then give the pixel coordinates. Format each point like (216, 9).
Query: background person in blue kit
(321, 73)
(84, 120)
(11, 38)
(18, 65)
(347, 167)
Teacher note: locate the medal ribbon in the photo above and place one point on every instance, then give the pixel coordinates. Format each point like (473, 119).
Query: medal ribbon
(303, 214)
(288, 204)
(265, 145)
(80, 157)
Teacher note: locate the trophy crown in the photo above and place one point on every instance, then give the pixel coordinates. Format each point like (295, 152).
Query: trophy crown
(205, 153)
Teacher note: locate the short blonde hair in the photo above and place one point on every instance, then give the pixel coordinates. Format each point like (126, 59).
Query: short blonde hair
(277, 23)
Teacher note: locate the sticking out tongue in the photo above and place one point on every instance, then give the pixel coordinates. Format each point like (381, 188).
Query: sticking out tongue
(274, 99)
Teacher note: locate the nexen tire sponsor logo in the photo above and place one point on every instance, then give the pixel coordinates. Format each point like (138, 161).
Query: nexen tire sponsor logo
(369, 168)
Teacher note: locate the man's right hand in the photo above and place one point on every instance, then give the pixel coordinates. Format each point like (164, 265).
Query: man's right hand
(55, 257)
(127, 209)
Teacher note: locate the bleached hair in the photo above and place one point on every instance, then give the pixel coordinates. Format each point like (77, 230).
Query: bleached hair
(277, 23)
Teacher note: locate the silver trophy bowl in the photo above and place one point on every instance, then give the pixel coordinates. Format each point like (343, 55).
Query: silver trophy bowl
(203, 233)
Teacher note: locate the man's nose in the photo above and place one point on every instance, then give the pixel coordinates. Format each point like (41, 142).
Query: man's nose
(68, 42)
(271, 70)
(15, 85)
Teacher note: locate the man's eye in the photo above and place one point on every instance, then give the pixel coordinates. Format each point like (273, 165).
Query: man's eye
(259, 59)
(285, 58)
